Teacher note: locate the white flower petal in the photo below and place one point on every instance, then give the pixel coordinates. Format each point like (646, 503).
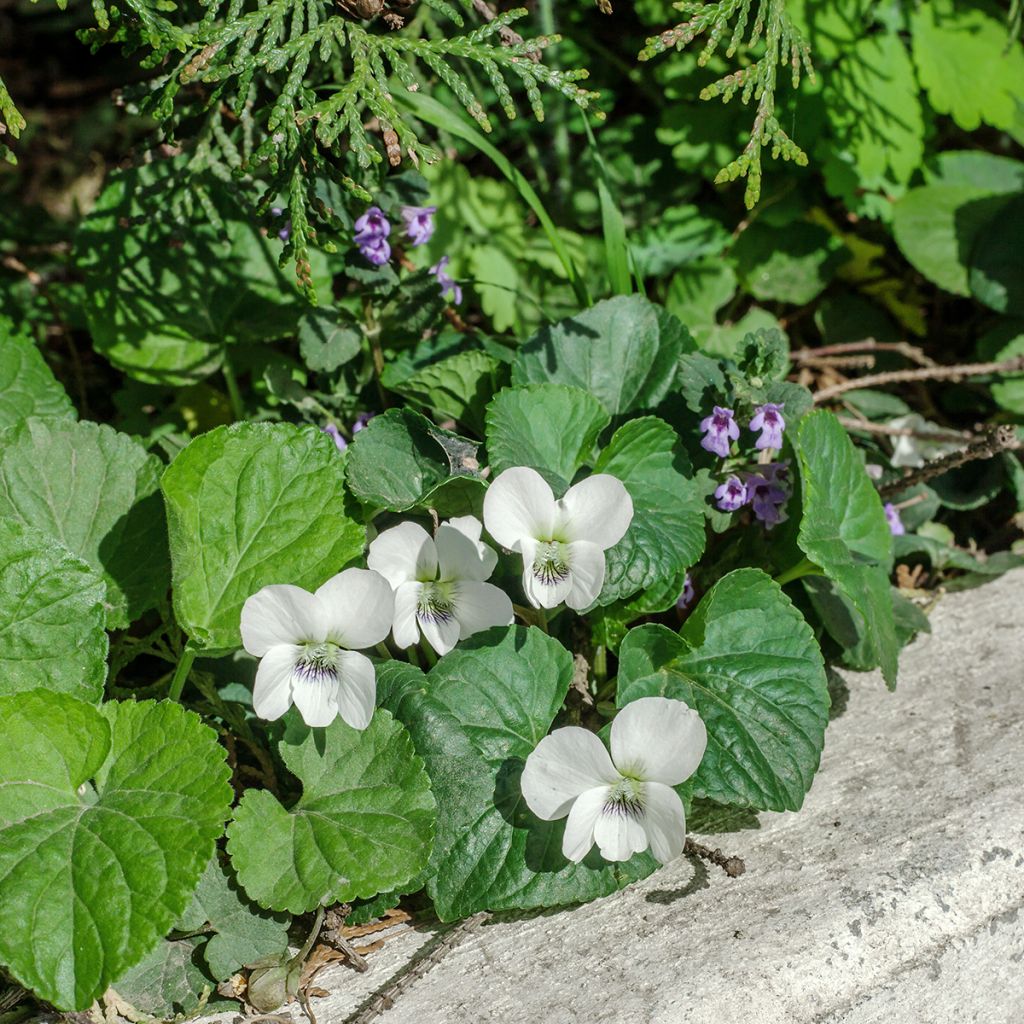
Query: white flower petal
(658, 740)
(561, 767)
(405, 552)
(479, 606)
(619, 833)
(280, 614)
(468, 525)
(519, 504)
(357, 689)
(459, 558)
(359, 607)
(272, 693)
(539, 593)
(406, 631)
(316, 699)
(664, 821)
(578, 837)
(442, 633)
(586, 565)
(598, 509)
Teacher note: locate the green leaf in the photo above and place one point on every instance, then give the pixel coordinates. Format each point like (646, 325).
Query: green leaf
(458, 387)
(243, 933)
(996, 273)
(51, 617)
(163, 296)
(968, 62)
(249, 505)
(328, 338)
(748, 663)
(168, 981)
(1005, 341)
(610, 624)
(791, 264)
(95, 491)
(623, 351)
(844, 531)
(874, 110)
(400, 457)
(27, 385)
(548, 427)
(107, 819)
(363, 824)
(488, 704)
(667, 531)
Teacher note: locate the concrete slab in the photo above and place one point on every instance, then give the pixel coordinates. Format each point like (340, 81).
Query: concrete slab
(895, 895)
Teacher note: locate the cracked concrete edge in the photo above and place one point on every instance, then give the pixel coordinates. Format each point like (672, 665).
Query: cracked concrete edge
(894, 894)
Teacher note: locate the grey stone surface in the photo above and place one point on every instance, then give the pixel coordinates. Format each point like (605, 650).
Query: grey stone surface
(894, 895)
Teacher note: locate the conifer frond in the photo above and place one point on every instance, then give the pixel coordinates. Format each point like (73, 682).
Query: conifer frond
(11, 122)
(782, 44)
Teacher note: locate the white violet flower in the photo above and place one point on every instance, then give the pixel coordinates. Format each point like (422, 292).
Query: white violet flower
(562, 542)
(624, 802)
(307, 645)
(439, 582)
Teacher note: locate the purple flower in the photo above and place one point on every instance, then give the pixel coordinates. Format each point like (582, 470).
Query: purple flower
(892, 516)
(768, 419)
(361, 420)
(767, 496)
(419, 223)
(285, 233)
(376, 251)
(332, 431)
(720, 428)
(446, 281)
(731, 495)
(372, 225)
(687, 596)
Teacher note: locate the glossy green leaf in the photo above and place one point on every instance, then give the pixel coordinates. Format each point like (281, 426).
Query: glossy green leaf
(623, 351)
(51, 617)
(667, 531)
(551, 428)
(363, 824)
(95, 491)
(249, 505)
(748, 663)
(107, 819)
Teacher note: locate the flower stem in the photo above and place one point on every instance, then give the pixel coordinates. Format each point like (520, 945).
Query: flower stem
(181, 674)
(234, 395)
(805, 567)
(429, 656)
(600, 663)
(314, 932)
(382, 650)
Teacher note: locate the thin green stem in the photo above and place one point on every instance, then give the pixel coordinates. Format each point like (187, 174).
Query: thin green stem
(600, 663)
(428, 654)
(382, 650)
(805, 567)
(181, 674)
(606, 691)
(542, 618)
(234, 395)
(314, 932)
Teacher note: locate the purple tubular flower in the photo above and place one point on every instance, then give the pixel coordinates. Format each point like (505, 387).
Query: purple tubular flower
(767, 496)
(687, 596)
(361, 420)
(449, 286)
(719, 430)
(892, 517)
(373, 224)
(419, 223)
(768, 419)
(731, 495)
(332, 431)
(376, 251)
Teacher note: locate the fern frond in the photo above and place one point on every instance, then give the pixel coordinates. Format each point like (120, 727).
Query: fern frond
(783, 44)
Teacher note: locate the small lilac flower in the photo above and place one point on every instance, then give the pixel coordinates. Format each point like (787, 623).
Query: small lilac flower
(767, 496)
(720, 428)
(285, 233)
(361, 420)
(446, 281)
(372, 225)
(335, 435)
(376, 251)
(419, 223)
(731, 495)
(687, 596)
(892, 516)
(768, 419)
(873, 470)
